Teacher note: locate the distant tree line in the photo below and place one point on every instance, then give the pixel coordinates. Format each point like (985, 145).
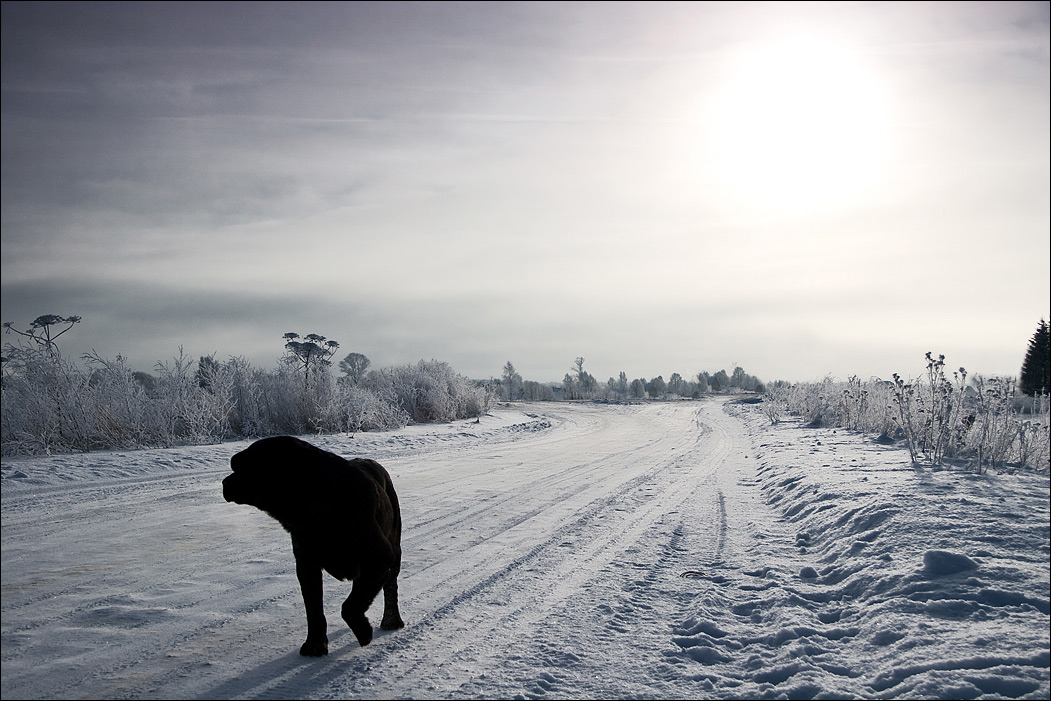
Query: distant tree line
(579, 384)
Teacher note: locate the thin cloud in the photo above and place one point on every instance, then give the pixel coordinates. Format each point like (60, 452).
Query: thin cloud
(516, 181)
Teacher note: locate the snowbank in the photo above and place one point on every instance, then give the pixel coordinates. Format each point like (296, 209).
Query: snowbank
(877, 579)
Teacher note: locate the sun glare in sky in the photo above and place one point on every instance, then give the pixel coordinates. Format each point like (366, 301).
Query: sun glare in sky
(657, 187)
(799, 122)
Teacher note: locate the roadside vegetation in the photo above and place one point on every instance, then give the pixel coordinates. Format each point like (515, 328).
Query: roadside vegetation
(942, 417)
(51, 404)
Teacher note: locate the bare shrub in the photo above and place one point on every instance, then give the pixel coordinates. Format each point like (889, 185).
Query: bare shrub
(775, 402)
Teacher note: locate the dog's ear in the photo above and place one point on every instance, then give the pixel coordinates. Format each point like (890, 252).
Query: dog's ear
(239, 460)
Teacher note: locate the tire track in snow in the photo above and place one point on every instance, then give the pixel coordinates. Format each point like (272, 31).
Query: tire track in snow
(626, 608)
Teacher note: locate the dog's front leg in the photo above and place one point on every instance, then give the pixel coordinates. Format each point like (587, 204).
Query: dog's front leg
(308, 570)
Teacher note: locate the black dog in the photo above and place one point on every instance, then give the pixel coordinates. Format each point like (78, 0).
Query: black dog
(344, 518)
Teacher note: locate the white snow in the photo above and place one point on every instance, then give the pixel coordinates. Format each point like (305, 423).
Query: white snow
(670, 550)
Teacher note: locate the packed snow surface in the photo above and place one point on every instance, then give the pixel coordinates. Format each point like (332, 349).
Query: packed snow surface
(657, 550)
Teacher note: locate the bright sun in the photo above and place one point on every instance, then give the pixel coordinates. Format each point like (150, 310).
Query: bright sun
(798, 122)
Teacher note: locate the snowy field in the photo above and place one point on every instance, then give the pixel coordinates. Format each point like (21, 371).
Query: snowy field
(661, 550)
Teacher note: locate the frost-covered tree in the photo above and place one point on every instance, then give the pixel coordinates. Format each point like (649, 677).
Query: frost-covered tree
(585, 385)
(512, 382)
(354, 366)
(309, 355)
(675, 384)
(207, 369)
(570, 387)
(720, 381)
(145, 380)
(742, 380)
(657, 387)
(1035, 377)
(703, 382)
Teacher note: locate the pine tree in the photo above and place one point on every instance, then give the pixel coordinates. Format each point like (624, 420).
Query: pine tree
(1036, 368)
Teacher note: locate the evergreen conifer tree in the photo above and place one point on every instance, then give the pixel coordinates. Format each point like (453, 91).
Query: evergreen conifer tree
(1036, 368)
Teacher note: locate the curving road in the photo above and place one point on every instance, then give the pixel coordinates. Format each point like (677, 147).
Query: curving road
(541, 558)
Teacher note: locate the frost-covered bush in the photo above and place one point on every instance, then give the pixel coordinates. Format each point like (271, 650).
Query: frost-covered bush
(184, 411)
(814, 401)
(977, 424)
(52, 405)
(281, 402)
(244, 383)
(356, 409)
(992, 424)
(42, 408)
(430, 391)
(122, 407)
(1034, 442)
(288, 406)
(775, 402)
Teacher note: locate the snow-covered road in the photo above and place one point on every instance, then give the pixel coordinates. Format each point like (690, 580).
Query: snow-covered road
(549, 550)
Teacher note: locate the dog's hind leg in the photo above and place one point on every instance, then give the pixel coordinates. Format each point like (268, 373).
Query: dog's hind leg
(366, 586)
(391, 615)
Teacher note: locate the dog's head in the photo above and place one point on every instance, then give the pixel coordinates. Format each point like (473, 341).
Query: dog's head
(262, 471)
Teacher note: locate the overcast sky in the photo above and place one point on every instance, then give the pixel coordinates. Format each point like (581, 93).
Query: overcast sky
(800, 189)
